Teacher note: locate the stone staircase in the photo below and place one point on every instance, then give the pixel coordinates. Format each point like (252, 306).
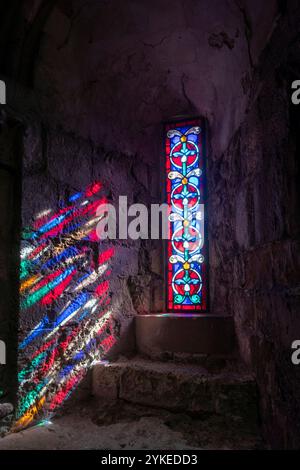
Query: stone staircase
(184, 387)
(185, 369)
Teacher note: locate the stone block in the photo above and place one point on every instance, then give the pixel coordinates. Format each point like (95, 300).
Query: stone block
(208, 334)
(106, 381)
(177, 387)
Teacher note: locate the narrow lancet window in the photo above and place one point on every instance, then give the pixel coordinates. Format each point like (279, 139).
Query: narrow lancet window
(186, 195)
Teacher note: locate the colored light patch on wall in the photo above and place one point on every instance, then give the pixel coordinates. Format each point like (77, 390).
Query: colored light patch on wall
(65, 283)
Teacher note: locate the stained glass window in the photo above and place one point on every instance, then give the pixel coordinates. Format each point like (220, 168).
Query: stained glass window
(186, 196)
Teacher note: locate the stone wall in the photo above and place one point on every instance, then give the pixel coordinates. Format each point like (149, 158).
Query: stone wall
(111, 72)
(10, 200)
(255, 236)
(78, 295)
(114, 71)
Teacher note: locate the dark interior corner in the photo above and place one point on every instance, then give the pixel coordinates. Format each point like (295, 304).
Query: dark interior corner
(108, 342)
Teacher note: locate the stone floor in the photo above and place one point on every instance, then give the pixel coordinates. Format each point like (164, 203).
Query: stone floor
(143, 404)
(125, 426)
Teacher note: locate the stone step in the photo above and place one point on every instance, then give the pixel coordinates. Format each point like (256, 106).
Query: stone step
(163, 334)
(178, 387)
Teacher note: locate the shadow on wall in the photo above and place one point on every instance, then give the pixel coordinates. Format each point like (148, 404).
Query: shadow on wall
(64, 291)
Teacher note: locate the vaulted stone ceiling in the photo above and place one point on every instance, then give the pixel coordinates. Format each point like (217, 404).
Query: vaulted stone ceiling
(113, 70)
